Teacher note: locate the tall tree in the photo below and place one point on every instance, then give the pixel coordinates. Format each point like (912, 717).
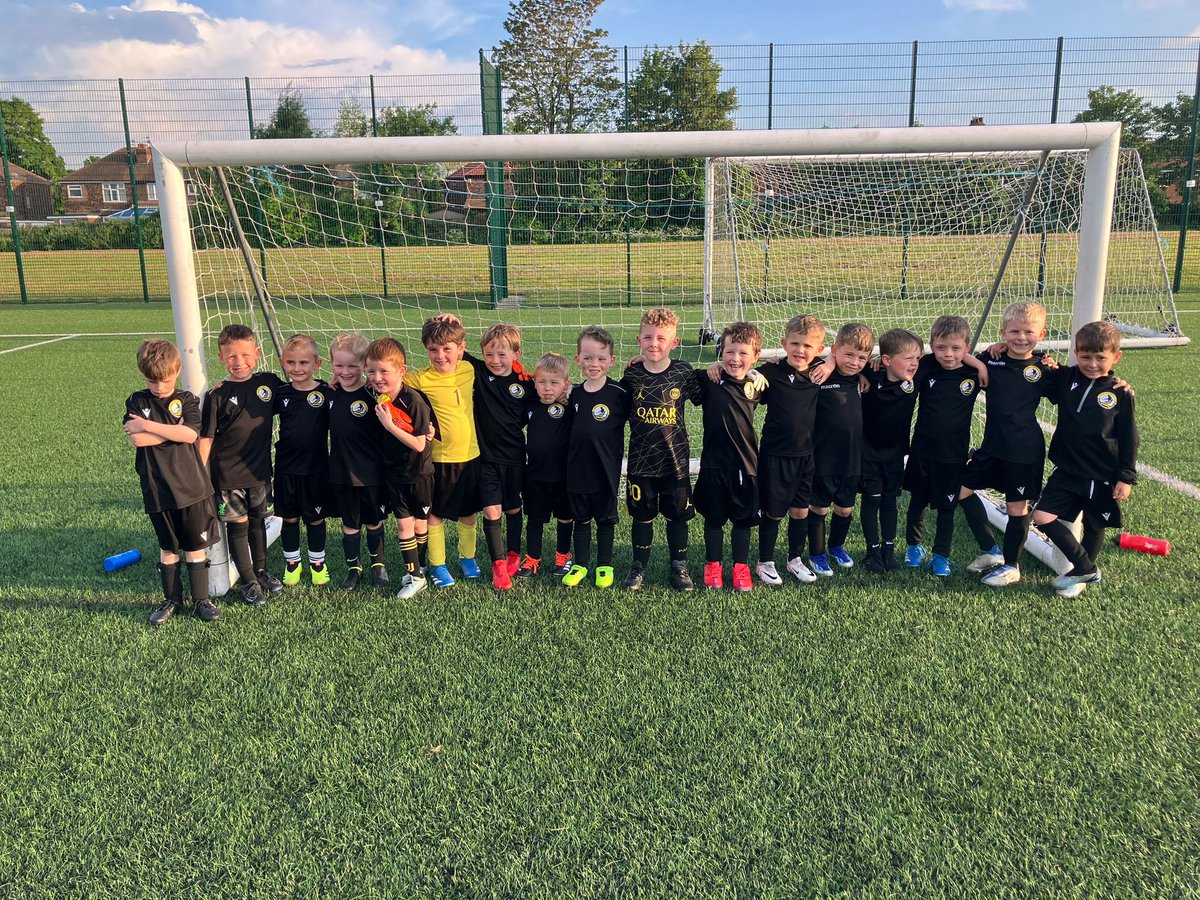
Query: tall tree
(26, 139)
(1137, 115)
(289, 120)
(678, 89)
(559, 75)
(393, 121)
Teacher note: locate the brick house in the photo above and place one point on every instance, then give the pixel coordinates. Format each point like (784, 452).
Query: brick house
(102, 188)
(33, 195)
(466, 188)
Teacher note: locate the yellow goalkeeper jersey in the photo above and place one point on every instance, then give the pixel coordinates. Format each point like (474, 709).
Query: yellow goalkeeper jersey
(452, 397)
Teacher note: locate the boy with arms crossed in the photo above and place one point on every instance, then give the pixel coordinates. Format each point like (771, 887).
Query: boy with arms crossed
(356, 460)
(164, 424)
(235, 442)
(548, 420)
(1094, 451)
(302, 458)
(600, 408)
(407, 453)
(658, 480)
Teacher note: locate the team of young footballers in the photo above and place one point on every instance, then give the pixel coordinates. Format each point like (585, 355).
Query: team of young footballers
(470, 434)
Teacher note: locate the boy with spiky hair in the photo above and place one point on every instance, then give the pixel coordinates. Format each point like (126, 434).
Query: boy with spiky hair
(356, 478)
(600, 408)
(837, 448)
(887, 412)
(449, 386)
(235, 442)
(548, 420)
(407, 456)
(785, 470)
(727, 487)
(1094, 451)
(164, 424)
(1012, 457)
(948, 380)
(502, 390)
(302, 459)
(658, 482)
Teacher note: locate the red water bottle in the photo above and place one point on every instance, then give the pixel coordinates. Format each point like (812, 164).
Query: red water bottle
(1142, 544)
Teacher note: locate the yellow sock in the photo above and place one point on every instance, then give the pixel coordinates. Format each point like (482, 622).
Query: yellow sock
(466, 541)
(437, 544)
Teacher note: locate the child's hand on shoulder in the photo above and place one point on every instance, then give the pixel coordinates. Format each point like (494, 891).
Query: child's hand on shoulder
(1122, 384)
(1049, 362)
(997, 350)
(819, 374)
(715, 371)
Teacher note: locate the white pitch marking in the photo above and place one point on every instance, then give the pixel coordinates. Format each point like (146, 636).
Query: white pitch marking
(88, 334)
(65, 337)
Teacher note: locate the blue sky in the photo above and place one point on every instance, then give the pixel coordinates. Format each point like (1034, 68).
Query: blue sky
(328, 37)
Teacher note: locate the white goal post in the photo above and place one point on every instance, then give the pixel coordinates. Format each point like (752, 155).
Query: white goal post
(180, 166)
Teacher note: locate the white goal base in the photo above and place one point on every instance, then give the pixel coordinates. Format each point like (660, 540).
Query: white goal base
(222, 574)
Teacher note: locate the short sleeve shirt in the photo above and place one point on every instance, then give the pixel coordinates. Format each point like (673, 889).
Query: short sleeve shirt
(171, 473)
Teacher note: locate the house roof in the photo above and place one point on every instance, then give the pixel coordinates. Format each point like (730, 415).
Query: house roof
(20, 175)
(476, 170)
(114, 167)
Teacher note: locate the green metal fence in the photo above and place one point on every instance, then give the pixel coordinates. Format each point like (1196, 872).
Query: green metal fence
(777, 86)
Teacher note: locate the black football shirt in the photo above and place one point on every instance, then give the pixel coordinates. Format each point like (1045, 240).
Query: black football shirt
(597, 438)
(355, 439)
(237, 416)
(947, 399)
(401, 464)
(887, 413)
(730, 442)
(658, 438)
(500, 413)
(1097, 436)
(1015, 388)
(791, 401)
(837, 434)
(547, 438)
(171, 473)
(303, 444)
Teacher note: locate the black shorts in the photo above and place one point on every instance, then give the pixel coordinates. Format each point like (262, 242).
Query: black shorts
(302, 497)
(411, 499)
(544, 499)
(598, 505)
(725, 495)
(500, 484)
(836, 490)
(883, 477)
(359, 507)
(456, 489)
(1018, 481)
(931, 483)
(646, 497)
(1066, 496)
(238, 503)
(188, 529)
(784, 482)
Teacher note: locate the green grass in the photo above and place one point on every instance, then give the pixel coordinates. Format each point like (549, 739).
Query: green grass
(859, 737)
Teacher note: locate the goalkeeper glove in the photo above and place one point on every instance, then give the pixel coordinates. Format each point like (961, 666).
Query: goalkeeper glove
(519, 371)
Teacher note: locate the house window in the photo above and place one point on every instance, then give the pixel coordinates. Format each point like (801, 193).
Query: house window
(75, 191)
(152, 191)
(192, 190)
(114, 192)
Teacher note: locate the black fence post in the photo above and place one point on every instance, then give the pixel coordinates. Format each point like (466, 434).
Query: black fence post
(1189, 184)
(770, 82)
(259, 224)
(131, 159)
(628, 207)
(11, 204)
(377, 197)
(1043, 246)
(912, 122)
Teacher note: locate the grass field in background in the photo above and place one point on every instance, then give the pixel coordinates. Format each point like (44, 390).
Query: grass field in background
(862, 736)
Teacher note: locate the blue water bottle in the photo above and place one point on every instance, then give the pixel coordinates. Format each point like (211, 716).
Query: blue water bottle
(121, 560)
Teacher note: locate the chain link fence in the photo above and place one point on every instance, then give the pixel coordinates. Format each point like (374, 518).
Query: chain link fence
(94, 215)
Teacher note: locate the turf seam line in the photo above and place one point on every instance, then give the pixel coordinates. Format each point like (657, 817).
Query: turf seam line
(65, 337)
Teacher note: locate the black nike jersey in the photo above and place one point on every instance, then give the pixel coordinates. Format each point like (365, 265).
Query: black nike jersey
(400, 464)
(943, 430)
(500, 413)
(887, 413)
(355, 439)
(303, 445)
(547, 438)
(171, 473)
(237, 416)
(658, 438)
(791, 401)
(1096, 436)
(597, 438)
(1015, 388)
(730, 442)
(837, 434)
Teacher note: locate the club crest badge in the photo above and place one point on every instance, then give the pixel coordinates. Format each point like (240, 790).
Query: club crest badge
(516, 390)
(750, 390)
(315, 399)
(358, 409)
(673, 393)
(263, 393)
(1106, 399)
(1033, 374)
(966, 386)
(555, 410)
(907, 386)
(600, 412)
(175, 408)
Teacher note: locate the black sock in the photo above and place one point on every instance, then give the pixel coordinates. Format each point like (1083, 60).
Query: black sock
(375, 545)
(562, 537)
(172, 582)
(739, 544)
(811, 527)
(1061, 536)
(677, 540)
(289, 539)
(869, 520)
(258, 543)
(1093, 537)
(1015, 533)
(423, 549)
(239, 551)
(889, 518)
(351, 546)
(408, 549)
(512, 527)
(915, 525)
(714, 542)
(943, 536)
(643, 539)
(839, 530)
(494, 537)
(605, 534)
(198, 580)
(317, 535)
(583, 543)
(977, 521)
(768, 537)
(534, 532)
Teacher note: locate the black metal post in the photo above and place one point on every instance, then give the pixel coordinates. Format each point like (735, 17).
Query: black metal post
(131, 159)
(11, 203)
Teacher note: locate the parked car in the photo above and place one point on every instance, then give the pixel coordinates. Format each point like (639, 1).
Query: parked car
(129, 214)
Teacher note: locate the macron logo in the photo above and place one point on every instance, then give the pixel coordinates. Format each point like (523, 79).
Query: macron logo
(204, 535)
(425, 509)
(286, 401)
(318, 509)
(1105, 516)
(932, 382)
(146, 411)
(1021, 490)
(233, 400)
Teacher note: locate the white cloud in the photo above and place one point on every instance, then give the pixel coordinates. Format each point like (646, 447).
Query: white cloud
(987, 5)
